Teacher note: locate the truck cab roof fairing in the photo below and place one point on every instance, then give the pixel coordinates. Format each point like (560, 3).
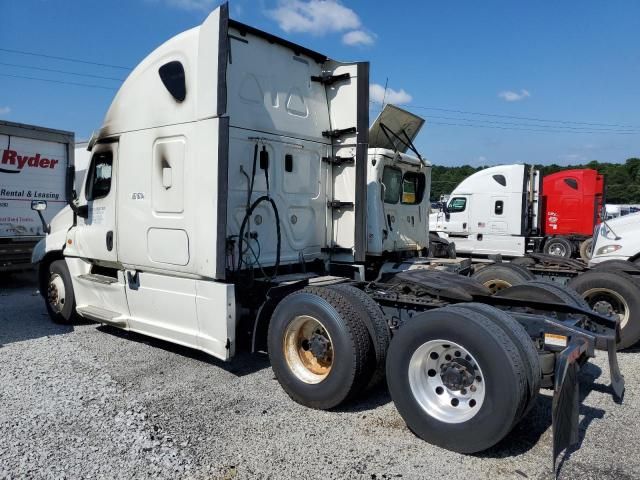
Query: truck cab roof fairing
(203, 52)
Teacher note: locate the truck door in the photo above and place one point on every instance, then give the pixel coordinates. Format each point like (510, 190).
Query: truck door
(94, 237)
(98, 279)
(456, 218)
(347, 90)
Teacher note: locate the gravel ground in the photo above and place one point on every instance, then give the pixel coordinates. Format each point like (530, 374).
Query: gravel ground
(90, 401)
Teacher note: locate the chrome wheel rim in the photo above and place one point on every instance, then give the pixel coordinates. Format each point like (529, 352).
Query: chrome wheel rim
(56, 293)
(608, 302)
(558, 249)
(496, 285)
(446, 381)
(308, 349)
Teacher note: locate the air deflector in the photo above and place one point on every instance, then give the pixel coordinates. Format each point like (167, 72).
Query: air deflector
(173, 78)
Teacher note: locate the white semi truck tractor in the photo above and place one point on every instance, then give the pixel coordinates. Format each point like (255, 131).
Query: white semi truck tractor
(236, 192)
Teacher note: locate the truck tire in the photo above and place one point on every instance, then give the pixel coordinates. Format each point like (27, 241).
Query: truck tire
(523, 341)
(558, 246)
(617, 266)
(546, 291)
(499, 276)
(59, 297)
(319, 347)
(524, 262)
(586, 249)
(433, 393)
(376, 325)
(613, 293)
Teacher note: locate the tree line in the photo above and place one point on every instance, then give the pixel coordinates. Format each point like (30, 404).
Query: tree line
(622, 180)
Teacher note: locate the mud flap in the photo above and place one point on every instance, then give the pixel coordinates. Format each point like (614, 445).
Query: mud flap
(566, 398)
(617, 379)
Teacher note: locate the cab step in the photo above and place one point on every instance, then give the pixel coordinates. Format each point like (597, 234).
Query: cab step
(102, 315)
(97, 278)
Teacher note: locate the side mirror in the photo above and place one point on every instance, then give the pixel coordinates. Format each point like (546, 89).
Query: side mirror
(83, 211)
(40, 206)
(447, 215)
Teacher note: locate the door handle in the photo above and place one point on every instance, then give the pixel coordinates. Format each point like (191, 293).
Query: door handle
(110, 240)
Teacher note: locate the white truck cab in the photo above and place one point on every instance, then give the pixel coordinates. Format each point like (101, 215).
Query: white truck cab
(492, 211)
(617, 239)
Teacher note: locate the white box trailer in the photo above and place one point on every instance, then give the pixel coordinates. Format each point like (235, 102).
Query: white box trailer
(235, 191)
(33, 166)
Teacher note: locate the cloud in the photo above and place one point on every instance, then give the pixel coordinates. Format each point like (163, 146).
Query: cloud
(377, 94)
(358, 37)
(5, 110)
(510, 96)
(193, 5)
(318, 17)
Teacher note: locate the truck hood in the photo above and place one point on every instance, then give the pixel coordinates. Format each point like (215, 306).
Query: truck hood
(62, 221)
(627, 224)
(397, 120)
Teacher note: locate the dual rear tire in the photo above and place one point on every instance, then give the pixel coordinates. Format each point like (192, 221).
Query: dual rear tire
(463, 376)
(320, 348)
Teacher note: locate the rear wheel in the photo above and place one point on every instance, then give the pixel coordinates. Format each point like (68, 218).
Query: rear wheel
(586, 249)
(457, 379)
(559, 246)
(59, 297)
(545, 291)
(319, 347)
(615, 294)
(617, 266)
(376, 325)
(499, 276)
(521, 339)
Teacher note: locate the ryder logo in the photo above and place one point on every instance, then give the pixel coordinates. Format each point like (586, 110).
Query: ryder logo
(11, 157)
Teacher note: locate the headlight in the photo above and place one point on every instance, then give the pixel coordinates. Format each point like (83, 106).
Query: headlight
(608, 249)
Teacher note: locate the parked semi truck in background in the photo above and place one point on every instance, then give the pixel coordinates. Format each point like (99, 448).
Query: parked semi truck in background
(33, 166)
(227, 198)
(617, 239)
(512, 210)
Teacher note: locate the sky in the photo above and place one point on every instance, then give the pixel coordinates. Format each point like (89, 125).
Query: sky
(497, 81)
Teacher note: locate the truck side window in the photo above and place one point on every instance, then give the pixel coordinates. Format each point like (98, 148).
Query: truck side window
(500, 179)
(572, 183)
(457, 204)
(499, 207)
(412, 188)
(392, 181)
(99, 177)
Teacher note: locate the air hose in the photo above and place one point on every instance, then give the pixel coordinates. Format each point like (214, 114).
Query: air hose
(264, 198)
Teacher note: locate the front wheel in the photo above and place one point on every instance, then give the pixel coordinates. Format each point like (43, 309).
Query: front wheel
(59, 297)
(586, 250)
(457, 379)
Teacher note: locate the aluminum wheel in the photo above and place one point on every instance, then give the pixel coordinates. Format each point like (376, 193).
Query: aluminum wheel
(446, 381)
(608, 302)
(558, 249)
(308, 349)
(56, 293)
(496, 285)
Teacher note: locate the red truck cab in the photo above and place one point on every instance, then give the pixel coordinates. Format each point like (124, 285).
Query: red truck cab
(572, 202)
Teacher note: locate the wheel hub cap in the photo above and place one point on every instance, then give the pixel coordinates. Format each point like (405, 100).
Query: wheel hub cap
(608, 302)
(308, 349)
(56, 293)
(446, 381)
